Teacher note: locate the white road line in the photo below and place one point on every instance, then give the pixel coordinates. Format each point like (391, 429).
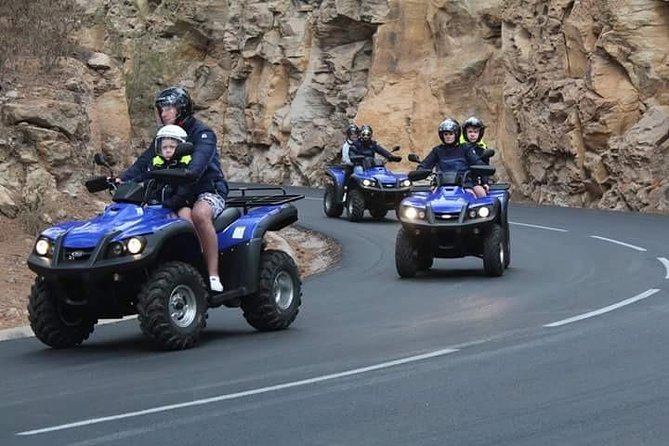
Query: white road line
(231, 396)
(313, 198)
(590, 314)
(665, 262)
(548, 228)
(617, 242)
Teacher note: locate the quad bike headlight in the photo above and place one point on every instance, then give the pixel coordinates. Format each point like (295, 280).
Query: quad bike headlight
(482, 212)
(131, 246)
(405, 183)
(43, 247)
(413, 214)
(135, 245)
(368, 183)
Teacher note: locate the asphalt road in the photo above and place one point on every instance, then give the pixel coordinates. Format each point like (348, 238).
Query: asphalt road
(567, 348)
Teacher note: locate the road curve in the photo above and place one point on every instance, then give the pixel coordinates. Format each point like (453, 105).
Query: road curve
(566, 348)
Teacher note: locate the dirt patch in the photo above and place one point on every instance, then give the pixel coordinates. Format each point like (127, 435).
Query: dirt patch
(312, 251)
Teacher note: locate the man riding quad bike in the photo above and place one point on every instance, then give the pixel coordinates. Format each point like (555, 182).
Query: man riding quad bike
(448, 221)
(367, 183)
(138, 257)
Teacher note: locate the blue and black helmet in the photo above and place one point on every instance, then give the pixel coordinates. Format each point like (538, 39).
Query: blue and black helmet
(176, 97)
(449, 125)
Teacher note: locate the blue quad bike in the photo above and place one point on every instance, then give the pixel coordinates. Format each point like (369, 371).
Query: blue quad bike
(376, 189)
(137, 257)
(445, 221)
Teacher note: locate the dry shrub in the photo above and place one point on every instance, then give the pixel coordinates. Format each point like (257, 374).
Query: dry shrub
(36, 31)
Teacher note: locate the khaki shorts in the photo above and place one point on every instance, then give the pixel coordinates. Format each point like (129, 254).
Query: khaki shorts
(216, 202)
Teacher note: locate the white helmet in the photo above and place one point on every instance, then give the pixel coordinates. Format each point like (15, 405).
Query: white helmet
(172, 131)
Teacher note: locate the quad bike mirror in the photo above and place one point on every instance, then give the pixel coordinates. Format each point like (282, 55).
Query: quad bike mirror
(487, 154)
(413, 158)
(417, 175)
(184, 148)
(102, 160)
(97, 184)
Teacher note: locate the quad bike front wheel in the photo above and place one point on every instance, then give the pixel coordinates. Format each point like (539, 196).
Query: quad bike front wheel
(54, 322)
(406, 257)
(331, 208)
(355, 205)
(276, 303)
(172, 306)
(494, 251)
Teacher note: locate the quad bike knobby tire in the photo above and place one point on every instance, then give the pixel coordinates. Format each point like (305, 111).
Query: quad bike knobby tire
(356, 205)
(172, 306)
(54, 322)
(378, 214)
(331, 208)
(276, 303)
(406, 258)
(493, 251)
(507, 247)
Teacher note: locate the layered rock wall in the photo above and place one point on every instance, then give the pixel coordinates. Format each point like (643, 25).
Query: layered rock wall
(575, 93)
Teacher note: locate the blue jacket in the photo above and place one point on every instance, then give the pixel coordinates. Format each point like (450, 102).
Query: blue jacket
(451, 158)
(367, 150)
(205, 164)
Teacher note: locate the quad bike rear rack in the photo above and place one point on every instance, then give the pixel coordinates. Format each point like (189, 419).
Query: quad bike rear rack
(250, 197)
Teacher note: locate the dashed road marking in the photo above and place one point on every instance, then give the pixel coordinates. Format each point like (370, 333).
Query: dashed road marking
(594, 313)
(548, 228)
(618, 242)
(665, 262)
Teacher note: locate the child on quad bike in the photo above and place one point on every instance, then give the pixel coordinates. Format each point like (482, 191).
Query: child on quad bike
(366, 147)
(473, 130)
(453, 157)
(173, 152)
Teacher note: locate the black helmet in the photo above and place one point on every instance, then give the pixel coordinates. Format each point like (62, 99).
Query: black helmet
(352, 129)
(476, 123)
(366, 133)
(449, 125)
(177, 97)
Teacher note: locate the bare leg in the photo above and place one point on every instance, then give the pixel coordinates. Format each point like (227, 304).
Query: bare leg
(204, 226)
(479, 191)
(185, 213)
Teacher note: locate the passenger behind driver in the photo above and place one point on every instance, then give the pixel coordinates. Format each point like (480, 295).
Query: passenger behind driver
(172, 153)
(472, 136)
(449, 156)
(366, 147)
(352, 135)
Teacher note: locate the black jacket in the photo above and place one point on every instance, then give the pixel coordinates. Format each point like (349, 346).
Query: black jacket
(360, 150)
(450, 158)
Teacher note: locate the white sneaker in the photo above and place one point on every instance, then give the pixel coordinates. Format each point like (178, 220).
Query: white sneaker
(215, 284)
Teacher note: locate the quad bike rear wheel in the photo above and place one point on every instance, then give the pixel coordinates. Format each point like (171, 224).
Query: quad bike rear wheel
(54, 322)
(277, 302)
(172, 306)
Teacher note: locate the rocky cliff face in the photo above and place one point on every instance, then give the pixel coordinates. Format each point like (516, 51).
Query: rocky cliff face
(575, 93)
